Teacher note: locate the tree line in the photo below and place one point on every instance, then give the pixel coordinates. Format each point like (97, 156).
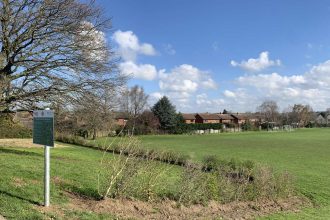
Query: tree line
(297, 115)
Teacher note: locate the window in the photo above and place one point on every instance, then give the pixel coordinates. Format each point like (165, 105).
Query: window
(192, 120)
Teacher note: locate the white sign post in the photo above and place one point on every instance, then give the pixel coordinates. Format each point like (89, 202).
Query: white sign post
(43, 133)
(47, 176)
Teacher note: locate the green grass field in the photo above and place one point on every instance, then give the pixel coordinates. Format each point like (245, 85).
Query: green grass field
(304, 153)
(21, 182)
(74, 171)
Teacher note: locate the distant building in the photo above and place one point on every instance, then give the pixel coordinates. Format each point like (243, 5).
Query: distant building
(241, 118)
(203, 118)
(189, 118)
(320, 119)
(121, 118)
(226, 118)
(207, 118)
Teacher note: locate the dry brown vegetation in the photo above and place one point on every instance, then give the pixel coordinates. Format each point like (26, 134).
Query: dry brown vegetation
(166, 209)
(26, 143)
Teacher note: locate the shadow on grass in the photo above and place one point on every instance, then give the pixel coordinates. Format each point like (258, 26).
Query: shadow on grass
(20, 197)
(19, 152)
(85, 192)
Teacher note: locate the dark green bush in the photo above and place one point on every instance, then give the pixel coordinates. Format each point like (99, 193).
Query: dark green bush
(249, 126)
(183, 128)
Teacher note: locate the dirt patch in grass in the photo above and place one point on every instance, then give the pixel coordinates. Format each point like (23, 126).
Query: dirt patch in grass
(25, 143)
(18, 182)
(128, 209)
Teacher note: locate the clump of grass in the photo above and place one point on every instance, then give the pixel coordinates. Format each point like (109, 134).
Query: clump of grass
(131, 172)
(233, 180)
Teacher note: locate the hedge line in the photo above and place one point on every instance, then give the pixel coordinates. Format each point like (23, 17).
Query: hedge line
(187, 128)
(170, 157)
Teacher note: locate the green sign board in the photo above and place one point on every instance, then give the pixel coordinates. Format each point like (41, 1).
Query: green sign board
(43, 127)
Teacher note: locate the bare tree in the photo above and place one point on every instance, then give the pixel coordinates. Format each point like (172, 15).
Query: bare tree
(147, 123)
(301, 114)
(269, 111)
(52, 48)
(285, 116)
(133, 101)
(93, 111)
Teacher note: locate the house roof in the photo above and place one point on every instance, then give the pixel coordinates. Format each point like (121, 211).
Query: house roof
(209, 116)
(240, 116)
(225, 116)
(320, 116)
(188, 116)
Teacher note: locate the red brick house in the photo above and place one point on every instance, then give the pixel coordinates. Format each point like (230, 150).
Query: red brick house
(241, 118)
(121, 118)
(207, 118)
(189, 118)
(226, 118)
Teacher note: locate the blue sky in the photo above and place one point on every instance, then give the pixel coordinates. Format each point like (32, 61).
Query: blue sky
(212, 55)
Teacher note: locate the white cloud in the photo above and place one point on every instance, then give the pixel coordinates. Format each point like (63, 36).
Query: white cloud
(140, 71)
(257, 64)
(271, 81)
(156, 95)
(209, 84)
(319, 76)
(181, 83)
(205, 103)
(185, 78)
(94, 41)
(312, 87)
(229, 94)
(130, 47)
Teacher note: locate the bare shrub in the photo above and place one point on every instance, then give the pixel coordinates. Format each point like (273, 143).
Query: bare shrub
(128, 171)
(284, 185)
(113, 168)
(192, 186)
(271, 185)
(150, 179)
